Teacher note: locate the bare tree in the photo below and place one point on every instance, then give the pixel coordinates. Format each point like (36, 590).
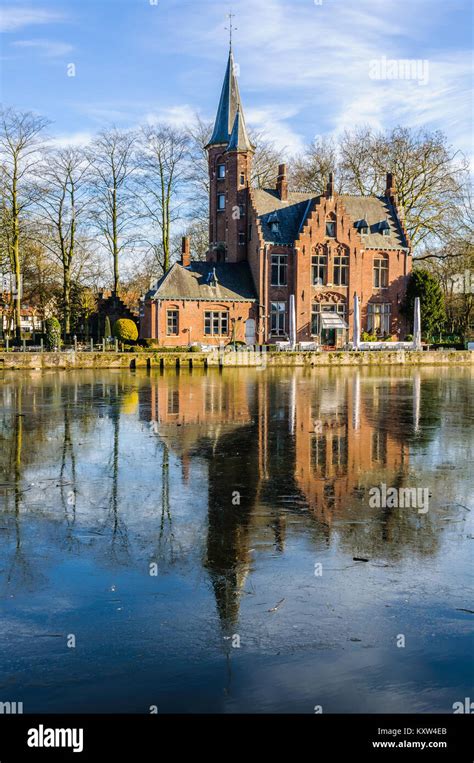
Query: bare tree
(161, 181)
(430, 176)
(198, 233)
(310, 171)
(20, 144)
(62, 205)
(198, 175)
(266, 159)
(112, 156)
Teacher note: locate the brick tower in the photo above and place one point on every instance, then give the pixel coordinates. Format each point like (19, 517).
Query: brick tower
(230, 154)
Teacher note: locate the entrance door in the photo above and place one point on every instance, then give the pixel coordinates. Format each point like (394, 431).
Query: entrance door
(328, 336)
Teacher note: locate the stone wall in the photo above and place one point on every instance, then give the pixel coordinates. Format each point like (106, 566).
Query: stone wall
(78, 360)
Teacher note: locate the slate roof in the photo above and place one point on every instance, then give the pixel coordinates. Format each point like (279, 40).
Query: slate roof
(289, 214)
(375, 210)
(229, 103)
(292, 214)
(234, 283)
(239, 139)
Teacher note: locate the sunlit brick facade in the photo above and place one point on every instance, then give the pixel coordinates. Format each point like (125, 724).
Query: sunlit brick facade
(267, 245)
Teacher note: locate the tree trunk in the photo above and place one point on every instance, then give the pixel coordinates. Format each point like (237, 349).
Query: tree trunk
(67, 300)
(115, 242)
(16, 260)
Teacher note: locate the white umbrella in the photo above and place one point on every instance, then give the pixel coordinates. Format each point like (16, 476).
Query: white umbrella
(417, 325)
(356, 337)
(292, 326)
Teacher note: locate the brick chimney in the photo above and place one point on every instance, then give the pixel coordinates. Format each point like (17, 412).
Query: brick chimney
(185, 252)
(391, 188)
(330, 186)
(282, 183)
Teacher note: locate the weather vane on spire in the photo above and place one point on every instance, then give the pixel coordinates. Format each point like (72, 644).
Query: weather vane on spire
(230, 27)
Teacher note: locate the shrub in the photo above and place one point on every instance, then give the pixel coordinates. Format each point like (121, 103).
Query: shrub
(366, 337)
(153, 343)
(125, 330)
(409, 338)
(52, 333)
(195, 348)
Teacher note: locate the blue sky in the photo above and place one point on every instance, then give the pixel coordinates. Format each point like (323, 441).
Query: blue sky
(304, 64)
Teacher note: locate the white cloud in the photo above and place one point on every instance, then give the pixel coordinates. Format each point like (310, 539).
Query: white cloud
(47, 48)
(75, 139)
(316, 58)
(12, 18)
(174, 116)
(275, 123)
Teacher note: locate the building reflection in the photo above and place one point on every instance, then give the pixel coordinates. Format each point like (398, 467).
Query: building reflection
(278, 452)
(293, 449)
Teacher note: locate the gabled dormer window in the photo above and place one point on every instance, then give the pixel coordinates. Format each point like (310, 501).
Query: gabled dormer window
(384, 228)
(363, 227)
(273, 222)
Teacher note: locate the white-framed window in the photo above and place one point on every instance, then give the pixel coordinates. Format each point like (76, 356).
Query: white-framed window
(341, 270)
(279, 272)
(378, 318)
(216, 322)
(221, 171)
(277, 318)
(318, 308)
(380, 272)
(220, 201)
(172, 322)
(319, 267)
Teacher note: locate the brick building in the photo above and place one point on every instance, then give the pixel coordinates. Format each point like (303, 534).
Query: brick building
(276, 255)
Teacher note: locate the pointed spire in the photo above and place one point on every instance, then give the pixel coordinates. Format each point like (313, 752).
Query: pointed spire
(239, 139)
(228, 105)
